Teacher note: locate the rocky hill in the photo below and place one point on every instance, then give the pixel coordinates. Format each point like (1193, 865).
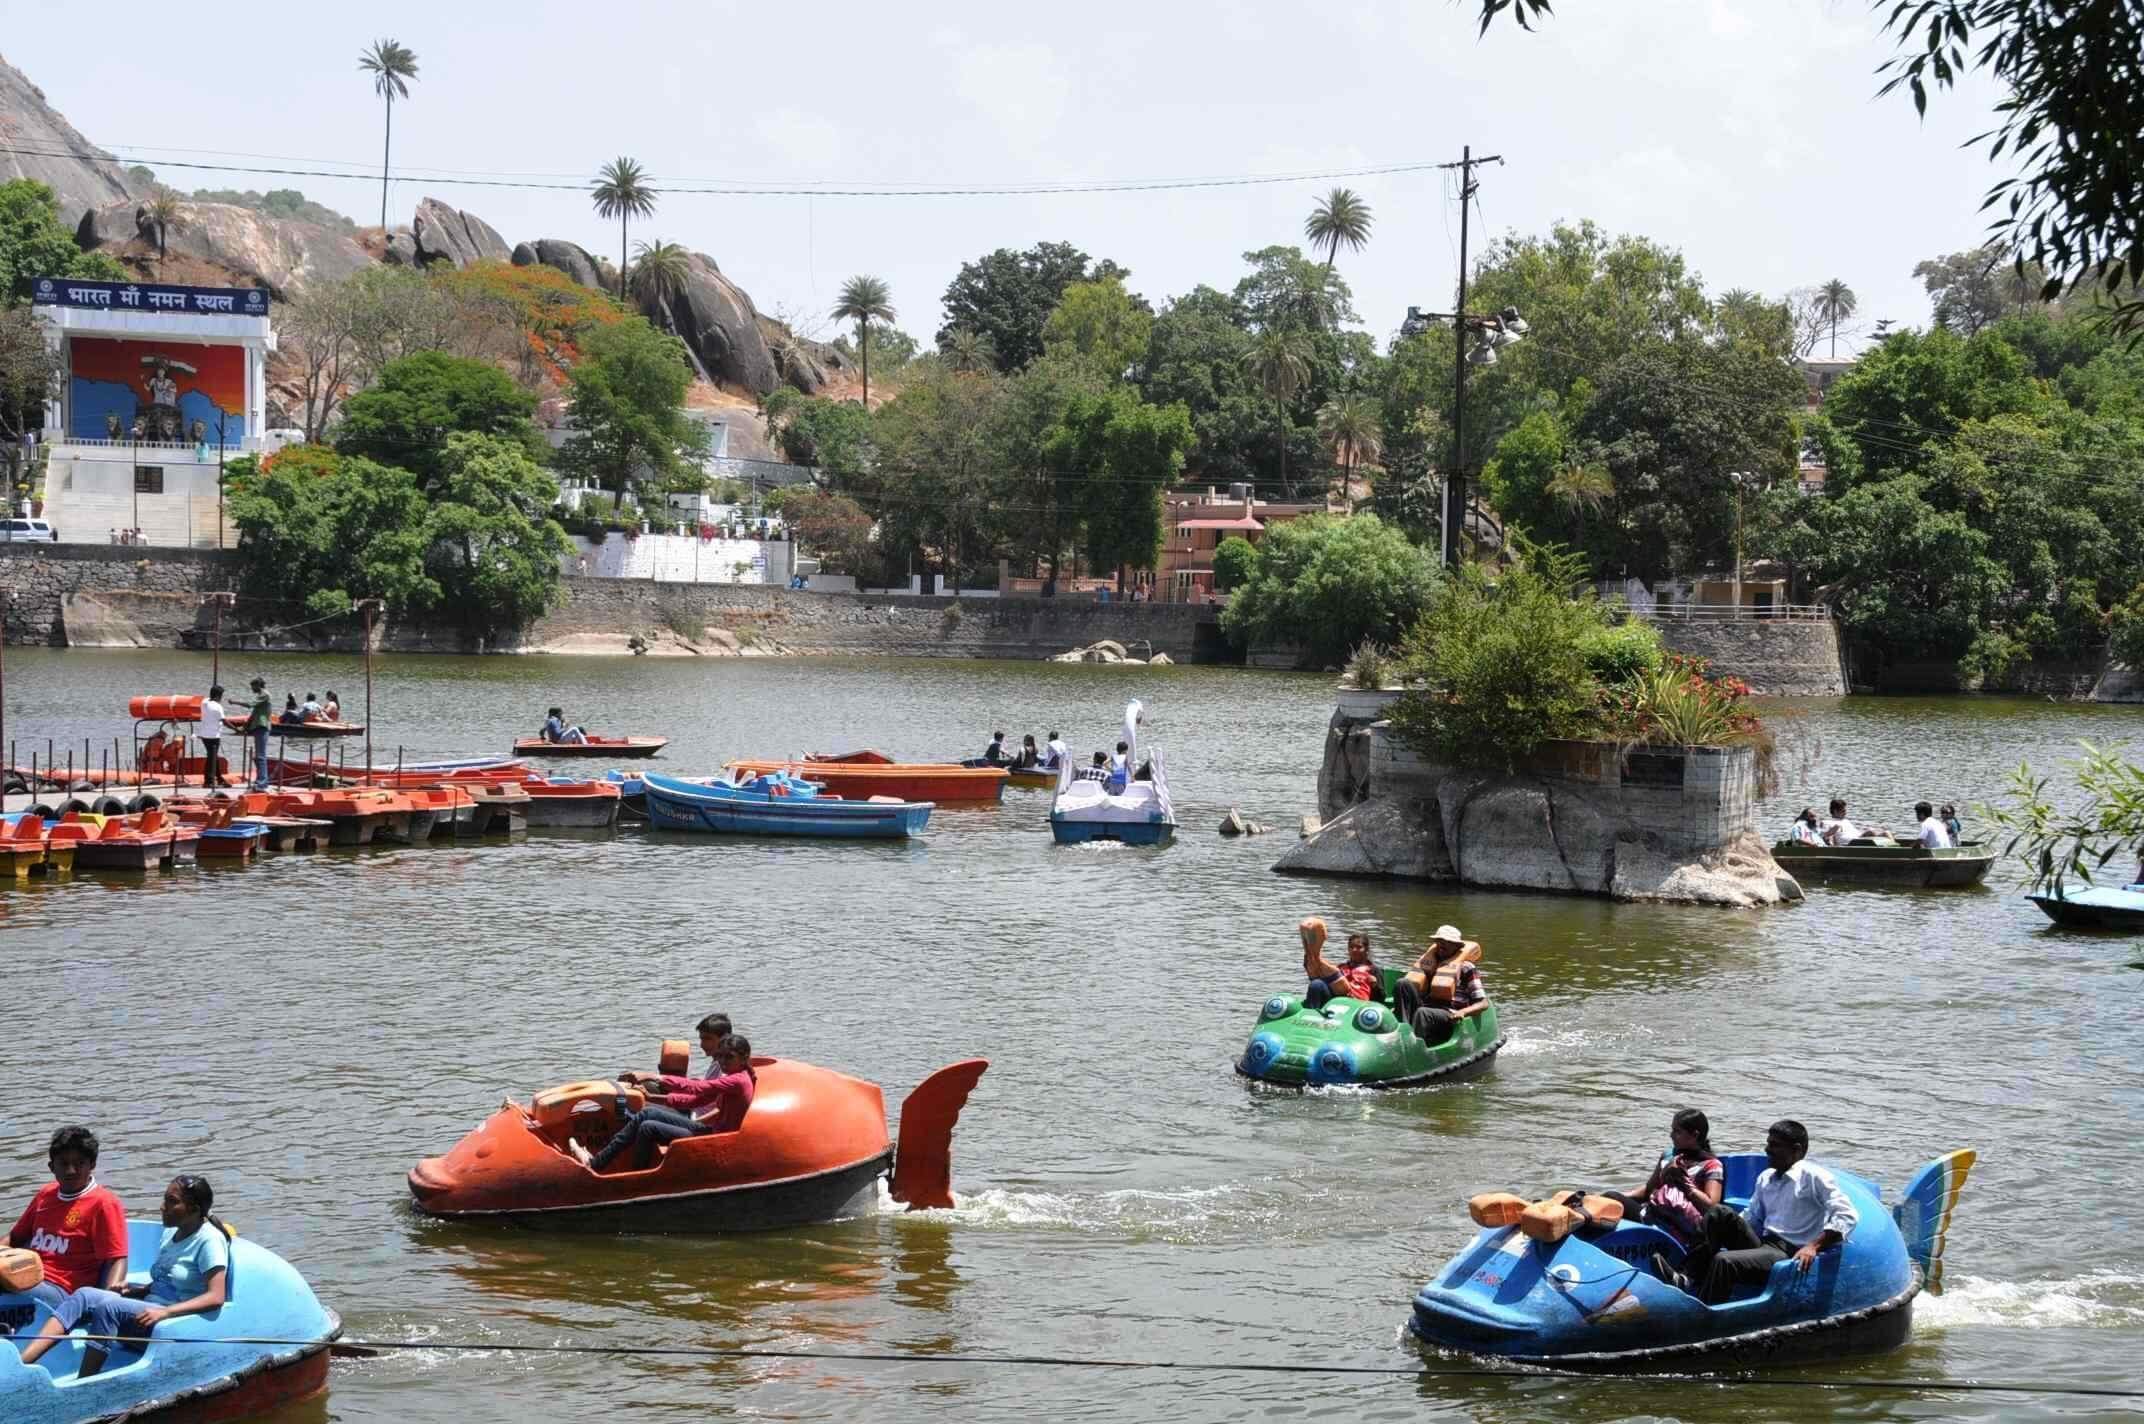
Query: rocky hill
(212, 243)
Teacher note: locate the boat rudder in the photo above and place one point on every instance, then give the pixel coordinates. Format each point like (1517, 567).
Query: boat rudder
(923, 1156)
(1924, 1210)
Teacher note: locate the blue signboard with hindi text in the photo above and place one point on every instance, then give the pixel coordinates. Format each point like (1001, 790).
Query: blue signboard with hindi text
(148, 297)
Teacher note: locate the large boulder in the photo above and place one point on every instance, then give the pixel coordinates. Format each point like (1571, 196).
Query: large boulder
(42, 145)
(449, 235)
(1398, 839)
(568, 257)
(717, 321)
(808, 365)
(285, 256)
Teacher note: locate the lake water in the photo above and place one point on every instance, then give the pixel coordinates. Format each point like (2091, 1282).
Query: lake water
(302, 1030)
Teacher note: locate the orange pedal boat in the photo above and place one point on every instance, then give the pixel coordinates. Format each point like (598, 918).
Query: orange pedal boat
(811, 1143)
(859, 776)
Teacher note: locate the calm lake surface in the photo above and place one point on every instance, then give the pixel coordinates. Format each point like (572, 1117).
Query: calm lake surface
(301, 1031)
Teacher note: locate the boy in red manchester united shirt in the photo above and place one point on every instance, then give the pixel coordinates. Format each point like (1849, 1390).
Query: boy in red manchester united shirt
(75, 1226)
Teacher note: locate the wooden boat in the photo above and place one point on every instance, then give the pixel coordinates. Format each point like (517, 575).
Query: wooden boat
(2094, 907)
(193, 1367)
(811, 1143)
(775, 804)
(609, 747)
(572, 805)
(1872, 861)
(856, 776)
(142, 842)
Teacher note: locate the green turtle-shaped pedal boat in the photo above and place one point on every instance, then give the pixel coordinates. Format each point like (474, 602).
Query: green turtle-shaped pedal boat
(1362, 1042)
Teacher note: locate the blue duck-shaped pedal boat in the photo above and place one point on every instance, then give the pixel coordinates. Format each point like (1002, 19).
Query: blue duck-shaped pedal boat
(187, 1370)
(1591, 1301)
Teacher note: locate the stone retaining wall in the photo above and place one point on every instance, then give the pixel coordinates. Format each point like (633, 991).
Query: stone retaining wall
(1777, 657)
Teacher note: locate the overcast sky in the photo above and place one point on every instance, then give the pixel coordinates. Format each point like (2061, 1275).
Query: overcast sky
(1745, 134)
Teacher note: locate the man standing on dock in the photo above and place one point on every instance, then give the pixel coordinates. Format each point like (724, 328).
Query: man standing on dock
(211, 734)
(258, 721)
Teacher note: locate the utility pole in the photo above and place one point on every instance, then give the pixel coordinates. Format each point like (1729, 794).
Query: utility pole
(369, 607)
(1455, 479)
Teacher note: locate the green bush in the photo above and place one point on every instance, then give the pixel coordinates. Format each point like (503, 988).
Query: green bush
(2128, 628)
(1622, 654)
(1233, 562)
(1328, 582)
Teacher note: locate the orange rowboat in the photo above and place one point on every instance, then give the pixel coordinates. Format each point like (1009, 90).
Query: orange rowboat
(813, 1141)
(593, 747)
(904, 781)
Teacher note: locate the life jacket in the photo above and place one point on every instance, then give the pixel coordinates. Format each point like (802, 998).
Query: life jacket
(1444, 979)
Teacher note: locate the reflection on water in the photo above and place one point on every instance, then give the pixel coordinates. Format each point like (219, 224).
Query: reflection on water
(308, 1027)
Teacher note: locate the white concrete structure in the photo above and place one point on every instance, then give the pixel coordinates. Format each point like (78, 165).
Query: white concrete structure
(151, 472)
(680, 558)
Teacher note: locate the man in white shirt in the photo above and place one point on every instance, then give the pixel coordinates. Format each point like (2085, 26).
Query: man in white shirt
(211, 733)
(1838, 830)
(1054, 753)
(1796, 1211)
(1934, 834)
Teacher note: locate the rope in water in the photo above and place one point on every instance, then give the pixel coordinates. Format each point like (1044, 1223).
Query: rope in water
(750, 1352)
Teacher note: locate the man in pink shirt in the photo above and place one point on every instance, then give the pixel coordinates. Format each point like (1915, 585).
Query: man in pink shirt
(686, 1107)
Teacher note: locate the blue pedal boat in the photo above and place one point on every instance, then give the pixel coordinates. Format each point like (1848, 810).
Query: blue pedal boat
(776, 804)
(2095, 907)
(187, 1370)
(1591, 1301)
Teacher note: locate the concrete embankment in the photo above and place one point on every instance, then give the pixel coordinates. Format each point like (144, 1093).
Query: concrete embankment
(108, 596)
(1777, 657)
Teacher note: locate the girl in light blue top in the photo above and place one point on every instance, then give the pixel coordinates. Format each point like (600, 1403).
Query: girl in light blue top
(191, 1276)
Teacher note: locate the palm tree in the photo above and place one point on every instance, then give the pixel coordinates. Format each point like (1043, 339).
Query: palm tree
(1580, 487)
(1342, 217)
(863, 301)
(968, 352)
(391, 66)
(621, 191)
(162, 210)
(1349, 425)
(1277, 363)
(660, 272)
(1835, 301)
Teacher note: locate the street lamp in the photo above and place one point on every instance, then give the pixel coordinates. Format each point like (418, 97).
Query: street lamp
(1492, 332)
(135, 432)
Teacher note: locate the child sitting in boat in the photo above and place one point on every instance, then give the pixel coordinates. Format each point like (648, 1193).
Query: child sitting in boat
(692, 1108)
(1357, 979)
(556, 731)
(190, 1276)
(77, 1228)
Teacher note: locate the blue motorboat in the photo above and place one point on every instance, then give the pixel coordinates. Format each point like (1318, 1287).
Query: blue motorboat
(186, 1370)
(2094, 907)
(776, 804)
(1134, 812)
(1591, 1301)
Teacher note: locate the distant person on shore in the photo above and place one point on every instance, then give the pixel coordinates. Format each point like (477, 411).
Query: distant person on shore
(1838, 830)
(191, 1274)
(1442, 987)
(1934, 835)
(1805, 830)
(211, 733)
(1055, 753)
(994, 754)
(1356, 979)
(258, 720)
(1951, 823)
(77, 1228)
(331, 707)
(556, 732)
(701, 1106)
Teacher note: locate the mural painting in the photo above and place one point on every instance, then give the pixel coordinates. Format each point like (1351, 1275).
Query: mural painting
(173, 392)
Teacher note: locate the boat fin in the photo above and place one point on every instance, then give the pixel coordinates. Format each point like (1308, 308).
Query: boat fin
(1923, 1213)
(923, 1159)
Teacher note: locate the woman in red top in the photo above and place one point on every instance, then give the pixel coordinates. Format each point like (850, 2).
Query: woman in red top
(77, 1228)
(1686, 1183)
(1357, 979)
(694, 1107)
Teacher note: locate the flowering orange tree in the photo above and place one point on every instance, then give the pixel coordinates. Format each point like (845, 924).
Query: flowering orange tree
(552, 313)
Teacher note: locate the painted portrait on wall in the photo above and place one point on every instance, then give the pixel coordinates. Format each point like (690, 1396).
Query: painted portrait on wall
(165, 391)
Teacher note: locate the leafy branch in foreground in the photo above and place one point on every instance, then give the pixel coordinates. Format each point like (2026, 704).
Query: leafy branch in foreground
(2058, 845)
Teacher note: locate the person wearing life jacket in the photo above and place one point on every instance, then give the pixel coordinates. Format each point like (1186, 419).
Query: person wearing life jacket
(1442, 988)
(1356, 979)
(156, 751)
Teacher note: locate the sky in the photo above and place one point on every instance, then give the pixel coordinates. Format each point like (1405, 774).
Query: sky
(1745, 133)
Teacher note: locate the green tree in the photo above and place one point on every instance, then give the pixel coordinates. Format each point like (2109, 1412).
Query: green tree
(1276, 361)
(322, 531)
(968, 352)
(659, 277)
(1339, 217)
(420, 401)
(833, 526)
(162, 208)
(864, 300)
(1123, 453)
(392, 65)
(936, 486)
(812, 430)
(1835, 301)
(34, 243)
(891, 349)
(1235, 559)
(623, 191)
(1100, 323)
(28, 370)
(1007, 296)
(629, 423)
(1195, 356)
(1328, 583)
(493, 549)
(1349, 426)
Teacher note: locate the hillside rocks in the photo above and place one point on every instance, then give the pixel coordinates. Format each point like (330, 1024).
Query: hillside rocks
(36, 132)
(281, 254)
(449, 235)
(568, 257)
(720, 326)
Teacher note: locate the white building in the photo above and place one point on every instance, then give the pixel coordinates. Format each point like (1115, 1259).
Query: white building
(158, 387)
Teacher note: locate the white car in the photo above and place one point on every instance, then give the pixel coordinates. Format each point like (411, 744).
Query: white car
(13, 529)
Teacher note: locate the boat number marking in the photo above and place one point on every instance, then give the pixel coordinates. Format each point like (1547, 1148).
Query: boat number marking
(1488, 1277)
